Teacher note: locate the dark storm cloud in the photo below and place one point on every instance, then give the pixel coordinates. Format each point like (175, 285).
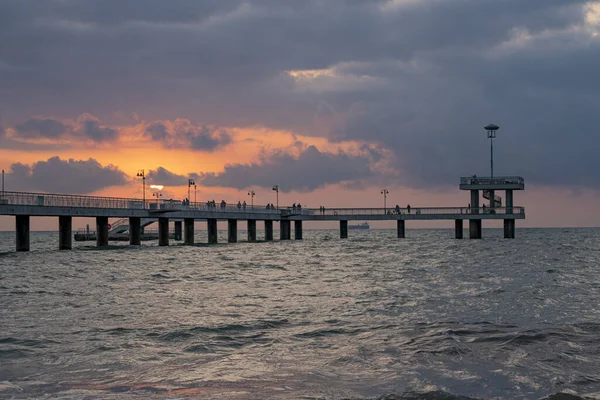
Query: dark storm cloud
(185, 135)
(89, 127)
(157, 131)
(422, 78)
(162, 176)
(310, 170)
(207, 139)
(40, 128)
(64, 176)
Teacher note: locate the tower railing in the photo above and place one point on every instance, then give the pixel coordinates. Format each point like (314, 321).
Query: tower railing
(497, 180)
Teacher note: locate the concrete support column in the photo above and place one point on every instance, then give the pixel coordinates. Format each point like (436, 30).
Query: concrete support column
(135, 231)
(509, 229)
(22, 232)
(298, 230)
(509, 201)
(65, 241)
(178, 230)
(474, 201)
(401, 228)
(268, 230)
(101, 231)
(343, 229)
(188, 230)
(285, 228)
(251, 230)
(458, 228)
(474, 229)
(211, 225)
(163, 231)
(232, 230)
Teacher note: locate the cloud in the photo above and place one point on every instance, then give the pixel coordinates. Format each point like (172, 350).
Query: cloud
(89, 126)
(40, 128)
(183, 134)
(420, 78)
(63, 176)
(162, 176)
(309, 170)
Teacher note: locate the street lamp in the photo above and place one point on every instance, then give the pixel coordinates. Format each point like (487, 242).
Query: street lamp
(276, 188)
(141, 174)
(251, 194)
(157, 193)
(491, 134)
(195, 201)
(384, 192)
(190, 184)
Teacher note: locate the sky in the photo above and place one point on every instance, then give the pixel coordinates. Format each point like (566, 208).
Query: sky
(330, 100)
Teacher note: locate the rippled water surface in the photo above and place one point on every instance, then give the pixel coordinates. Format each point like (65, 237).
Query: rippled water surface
(368, 317)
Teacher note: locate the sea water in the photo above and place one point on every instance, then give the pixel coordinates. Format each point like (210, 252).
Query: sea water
(369, 317)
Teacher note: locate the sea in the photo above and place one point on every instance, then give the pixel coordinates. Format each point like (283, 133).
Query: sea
(370, 317)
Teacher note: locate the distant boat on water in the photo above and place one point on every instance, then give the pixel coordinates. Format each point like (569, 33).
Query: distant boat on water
(364, 225)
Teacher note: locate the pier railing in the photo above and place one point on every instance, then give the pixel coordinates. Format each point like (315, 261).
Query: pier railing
(411, 211)
(80, 201)
(77, 201)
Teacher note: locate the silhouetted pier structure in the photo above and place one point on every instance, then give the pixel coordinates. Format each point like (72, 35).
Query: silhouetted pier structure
(134, 214)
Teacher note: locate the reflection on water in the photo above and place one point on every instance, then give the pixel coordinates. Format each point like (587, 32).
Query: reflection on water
(427, 317)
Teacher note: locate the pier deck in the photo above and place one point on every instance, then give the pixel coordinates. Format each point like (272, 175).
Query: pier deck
(135, 214)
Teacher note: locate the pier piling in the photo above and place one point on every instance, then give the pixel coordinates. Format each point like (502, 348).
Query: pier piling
(178, 230)
(401, 228)
(268, 230)
(458, 228)
(474, 229)
(343, 229)
(22, 232)
(251, 230)
(211, 225)
(101, 231)
(285, 227)
(298, 230)
(232, 230)
(163, 231)
(135, 231)
(188, 226)
(65, 241)
(509, 229)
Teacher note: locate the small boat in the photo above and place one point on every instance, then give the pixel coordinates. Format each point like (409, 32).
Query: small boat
(364, 225)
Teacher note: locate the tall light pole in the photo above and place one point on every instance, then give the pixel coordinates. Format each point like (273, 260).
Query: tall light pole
(276, 188)
(142, 174)
(251, 194)
(190, 184)
(2, 183)
(195, 201)
(491, 134)
(384, 192)
(157, 194)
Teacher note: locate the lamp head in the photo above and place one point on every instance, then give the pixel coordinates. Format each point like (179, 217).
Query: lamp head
(491, 130)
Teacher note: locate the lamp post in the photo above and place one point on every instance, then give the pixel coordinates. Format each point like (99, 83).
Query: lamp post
(190, 184)
(251, 194)
(195, 201)
(384, 192)
(141, 174)
(491, 134)
(276, 188)
(157, 195)
(2, 184)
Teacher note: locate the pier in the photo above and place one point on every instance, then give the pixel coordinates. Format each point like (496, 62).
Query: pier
(134, 214)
